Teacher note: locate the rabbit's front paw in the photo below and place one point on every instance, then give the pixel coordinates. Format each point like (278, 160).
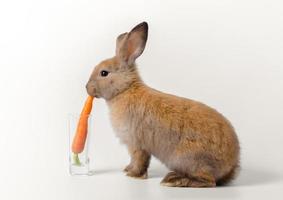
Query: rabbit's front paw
(128, 167)
(139, 163)
(137, 174)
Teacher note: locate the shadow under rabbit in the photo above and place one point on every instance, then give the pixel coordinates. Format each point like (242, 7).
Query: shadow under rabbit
(246, 176)
(256, 176)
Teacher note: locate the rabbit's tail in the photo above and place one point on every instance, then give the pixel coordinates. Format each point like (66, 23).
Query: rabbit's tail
(229, 176)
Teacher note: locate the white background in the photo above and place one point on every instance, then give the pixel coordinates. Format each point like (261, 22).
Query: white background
(227, 54)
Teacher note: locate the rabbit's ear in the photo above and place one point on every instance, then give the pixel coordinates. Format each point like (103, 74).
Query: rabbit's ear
(130, 45)
(120, 42)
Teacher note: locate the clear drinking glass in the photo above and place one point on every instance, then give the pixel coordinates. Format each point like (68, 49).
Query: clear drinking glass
(79, 165)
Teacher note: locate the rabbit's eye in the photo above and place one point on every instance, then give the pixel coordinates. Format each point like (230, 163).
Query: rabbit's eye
(104, 73)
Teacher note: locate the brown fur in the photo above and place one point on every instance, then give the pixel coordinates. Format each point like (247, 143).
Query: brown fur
(193, 140)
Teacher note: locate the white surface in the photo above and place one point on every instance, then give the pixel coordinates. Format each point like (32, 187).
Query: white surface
(225, 53)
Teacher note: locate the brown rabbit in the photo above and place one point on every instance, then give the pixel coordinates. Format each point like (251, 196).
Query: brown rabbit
(193, 140)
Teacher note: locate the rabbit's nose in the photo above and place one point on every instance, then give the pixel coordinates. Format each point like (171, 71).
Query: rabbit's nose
(90, 88)
(90, 84)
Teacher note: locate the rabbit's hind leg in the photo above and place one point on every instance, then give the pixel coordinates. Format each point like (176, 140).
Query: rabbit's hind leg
(201, 179)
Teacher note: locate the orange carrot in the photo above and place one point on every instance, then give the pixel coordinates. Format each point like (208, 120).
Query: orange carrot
(81, 133)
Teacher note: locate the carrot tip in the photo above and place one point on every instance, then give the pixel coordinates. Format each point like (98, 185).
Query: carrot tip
(76, 159)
